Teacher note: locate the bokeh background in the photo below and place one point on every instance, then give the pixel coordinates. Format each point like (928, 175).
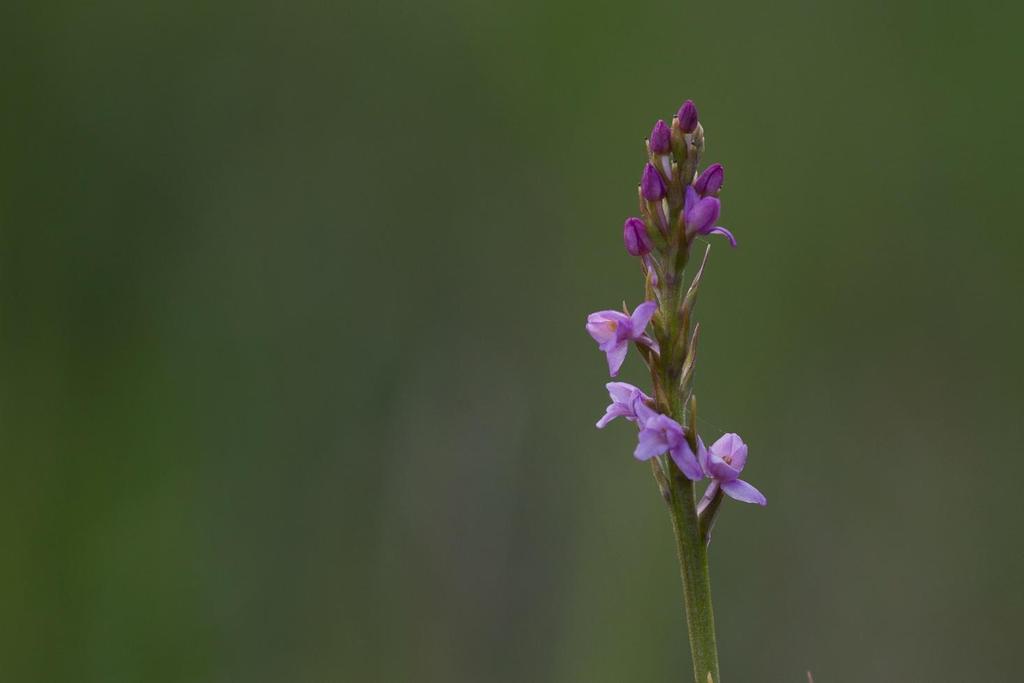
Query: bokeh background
(294, 384)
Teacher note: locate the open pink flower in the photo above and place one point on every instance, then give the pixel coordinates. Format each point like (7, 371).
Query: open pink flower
(661, 434)
(723, 462)
(613, 331)
(627, 402)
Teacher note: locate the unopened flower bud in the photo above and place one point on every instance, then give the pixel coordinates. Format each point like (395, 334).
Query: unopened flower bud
(634, 233)
(651, 184)
(687, 116)
(710, 181)
(661, 138)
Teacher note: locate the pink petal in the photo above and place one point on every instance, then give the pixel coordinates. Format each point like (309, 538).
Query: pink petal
(719, 469)
(743, 492)
(718, 229)
(652, 442)
(600, 325)
(616, 356)
(641, 316)
(644, 413)
(687, 462)
(614, 410)
(621, 392)
(600, 331)
(702, 456)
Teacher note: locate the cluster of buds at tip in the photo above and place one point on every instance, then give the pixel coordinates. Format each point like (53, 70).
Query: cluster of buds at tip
(677, 205)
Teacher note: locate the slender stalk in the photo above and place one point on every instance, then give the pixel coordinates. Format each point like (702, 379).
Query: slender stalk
(691, 547)
(693, 568)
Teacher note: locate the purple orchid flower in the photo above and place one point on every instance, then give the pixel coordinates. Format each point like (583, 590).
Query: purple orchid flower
(613, 331)
(627, 400)
(700, 215)
(723, 462)
(661, 434)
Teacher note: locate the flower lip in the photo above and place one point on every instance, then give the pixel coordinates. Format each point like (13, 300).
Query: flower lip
(740, 490)
(719, 230)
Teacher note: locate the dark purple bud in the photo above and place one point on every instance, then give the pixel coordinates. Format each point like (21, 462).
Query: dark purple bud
(661, 138)
(687, 117)
(710, 181)
(634, 233)
(651, 184)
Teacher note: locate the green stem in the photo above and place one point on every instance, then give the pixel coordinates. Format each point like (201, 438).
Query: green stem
(693, 567)
(671, 382)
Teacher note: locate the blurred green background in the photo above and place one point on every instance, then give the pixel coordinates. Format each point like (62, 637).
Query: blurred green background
(294, 384)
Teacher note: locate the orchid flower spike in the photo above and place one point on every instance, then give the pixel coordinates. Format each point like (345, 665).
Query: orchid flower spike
(676, 204)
